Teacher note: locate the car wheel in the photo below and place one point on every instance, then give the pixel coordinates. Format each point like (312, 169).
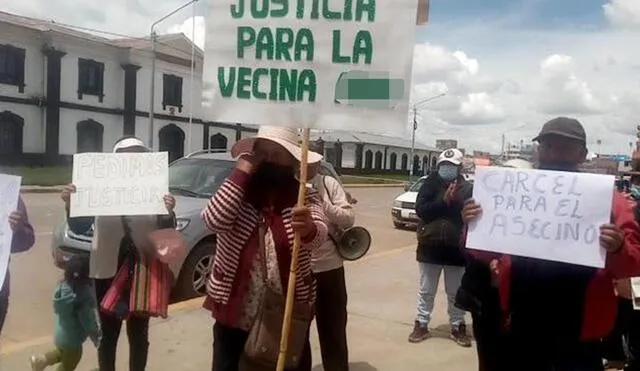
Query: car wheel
(195, 272)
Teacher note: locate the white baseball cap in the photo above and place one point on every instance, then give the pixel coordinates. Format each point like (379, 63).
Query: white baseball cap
(451, 155)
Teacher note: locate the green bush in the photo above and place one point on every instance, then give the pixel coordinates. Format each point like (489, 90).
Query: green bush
(41, 176)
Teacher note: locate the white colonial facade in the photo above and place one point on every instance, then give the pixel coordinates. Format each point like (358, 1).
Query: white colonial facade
(63, 91)
(367, 153)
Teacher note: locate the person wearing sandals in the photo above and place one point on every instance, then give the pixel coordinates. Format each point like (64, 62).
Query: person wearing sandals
(112, 246)
(254, 215)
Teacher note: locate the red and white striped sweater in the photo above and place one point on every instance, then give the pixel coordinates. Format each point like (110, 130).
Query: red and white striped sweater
(234, 220)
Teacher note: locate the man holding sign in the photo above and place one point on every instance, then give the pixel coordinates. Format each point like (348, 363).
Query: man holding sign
(556, 311)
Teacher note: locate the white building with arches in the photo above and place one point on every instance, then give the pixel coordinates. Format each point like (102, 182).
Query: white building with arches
(63, 91)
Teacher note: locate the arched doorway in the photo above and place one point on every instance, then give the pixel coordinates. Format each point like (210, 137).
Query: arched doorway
(11, 126)
(368, 160)
(171, 139)
(218, 142)
(405, 160)
(425, 165)
(89, 136)
(378, 160)
(434, 163)
(416, 164)
(393, 159)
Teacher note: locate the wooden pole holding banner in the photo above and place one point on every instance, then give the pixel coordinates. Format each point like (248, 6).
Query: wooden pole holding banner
(291, 287)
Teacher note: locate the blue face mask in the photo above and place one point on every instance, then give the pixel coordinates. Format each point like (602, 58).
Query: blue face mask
(448, 173)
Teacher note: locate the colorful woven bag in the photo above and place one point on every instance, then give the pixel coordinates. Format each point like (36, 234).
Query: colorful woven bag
(115, 302)
(150, 288)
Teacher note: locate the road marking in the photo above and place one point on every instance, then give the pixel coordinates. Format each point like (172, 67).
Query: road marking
(8, 347)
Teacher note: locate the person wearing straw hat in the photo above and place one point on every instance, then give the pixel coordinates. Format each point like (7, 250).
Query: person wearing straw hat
(254, 215)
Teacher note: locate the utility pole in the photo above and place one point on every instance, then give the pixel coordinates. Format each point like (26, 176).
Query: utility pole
(152, 94)
(415, 127)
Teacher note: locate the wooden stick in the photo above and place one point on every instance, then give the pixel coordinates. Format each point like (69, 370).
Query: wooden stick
(291, 288)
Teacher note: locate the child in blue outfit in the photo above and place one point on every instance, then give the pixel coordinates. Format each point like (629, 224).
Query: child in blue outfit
(75, 306)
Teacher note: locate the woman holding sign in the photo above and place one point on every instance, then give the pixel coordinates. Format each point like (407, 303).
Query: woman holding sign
(254, 215)
(117, 241)
(556, 313)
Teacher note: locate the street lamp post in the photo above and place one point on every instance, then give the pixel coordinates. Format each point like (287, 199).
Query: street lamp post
(415, 127)
(152, 96)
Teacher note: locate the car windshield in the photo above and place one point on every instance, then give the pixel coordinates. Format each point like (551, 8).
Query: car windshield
(198, 177)
(415, 187)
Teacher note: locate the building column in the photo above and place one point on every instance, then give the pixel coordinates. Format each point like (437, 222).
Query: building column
(52, 135)
(338, 147)
(238, 132)
(385, 163)
(205, 135)
(130, 93)
(359, 155)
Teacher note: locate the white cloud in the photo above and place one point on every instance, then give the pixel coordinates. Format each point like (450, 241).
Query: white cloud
(563, 92)
(188, 27)
(623, 13)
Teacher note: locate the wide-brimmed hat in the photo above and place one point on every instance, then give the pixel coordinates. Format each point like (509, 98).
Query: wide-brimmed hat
(287, 138)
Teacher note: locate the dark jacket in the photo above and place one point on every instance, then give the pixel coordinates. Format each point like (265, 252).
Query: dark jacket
(591, 298)
(430, 207)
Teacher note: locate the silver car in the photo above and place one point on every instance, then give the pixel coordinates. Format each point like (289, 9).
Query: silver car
(192, 181)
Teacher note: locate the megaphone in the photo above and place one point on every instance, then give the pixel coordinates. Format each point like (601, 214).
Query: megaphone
(352, 243)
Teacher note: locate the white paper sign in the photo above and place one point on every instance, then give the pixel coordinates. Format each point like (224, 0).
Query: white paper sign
(330, 64)
(547, 215)
(119, 184)
(9, 193)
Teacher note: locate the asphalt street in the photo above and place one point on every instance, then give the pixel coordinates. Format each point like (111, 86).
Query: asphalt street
(33, 275)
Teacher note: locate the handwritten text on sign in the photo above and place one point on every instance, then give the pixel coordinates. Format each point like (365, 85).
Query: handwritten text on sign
(9, 193)
(548, 215)
(329, 63)
(119, 184)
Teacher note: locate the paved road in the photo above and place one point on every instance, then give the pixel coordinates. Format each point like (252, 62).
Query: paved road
(34, 276)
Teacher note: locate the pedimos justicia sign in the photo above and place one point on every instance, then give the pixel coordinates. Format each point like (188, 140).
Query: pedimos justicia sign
(319, 63)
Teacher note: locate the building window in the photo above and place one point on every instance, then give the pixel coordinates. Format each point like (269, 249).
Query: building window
(12, 66)
(171, 139)
(89, 136)
(404, 161)
(11, 126)
(393, 160)
(218, 142)
(368, 160)
(90, 78)
(172, 92)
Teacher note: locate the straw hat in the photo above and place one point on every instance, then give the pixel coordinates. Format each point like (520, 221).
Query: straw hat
(287, 138)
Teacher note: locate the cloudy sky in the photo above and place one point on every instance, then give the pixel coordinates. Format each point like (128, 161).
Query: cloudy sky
(506, 65)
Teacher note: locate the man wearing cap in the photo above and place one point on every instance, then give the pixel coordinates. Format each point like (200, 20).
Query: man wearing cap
(556, 313)
(438, 206)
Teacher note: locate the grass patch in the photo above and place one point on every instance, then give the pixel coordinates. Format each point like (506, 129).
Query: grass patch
(40, 176)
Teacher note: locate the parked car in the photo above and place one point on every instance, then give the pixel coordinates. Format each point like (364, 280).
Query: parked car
(192, 181)
(403, 211)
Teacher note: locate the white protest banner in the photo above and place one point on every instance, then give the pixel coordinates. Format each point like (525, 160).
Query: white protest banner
(9, 193)
(119, 184)
(330, 64)
(548, 215)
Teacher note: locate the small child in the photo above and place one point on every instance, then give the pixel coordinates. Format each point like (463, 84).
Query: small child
(75, 306)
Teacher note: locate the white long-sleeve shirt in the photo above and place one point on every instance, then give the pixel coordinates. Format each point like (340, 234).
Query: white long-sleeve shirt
(340, 214)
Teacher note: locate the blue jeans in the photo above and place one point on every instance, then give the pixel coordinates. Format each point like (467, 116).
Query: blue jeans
(429, 280)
